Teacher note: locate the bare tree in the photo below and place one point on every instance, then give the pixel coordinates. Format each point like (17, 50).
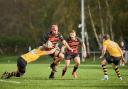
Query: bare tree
(93, 27)
(101, 19)
(110, 19)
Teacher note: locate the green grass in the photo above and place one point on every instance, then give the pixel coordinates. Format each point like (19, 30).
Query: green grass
(89, 77)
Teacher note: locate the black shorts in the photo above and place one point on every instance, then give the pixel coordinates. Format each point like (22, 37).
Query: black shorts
(69, 56)
(112, 59)
(21, 64)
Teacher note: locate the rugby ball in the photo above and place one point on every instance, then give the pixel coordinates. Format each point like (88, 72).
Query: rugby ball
(49, 44)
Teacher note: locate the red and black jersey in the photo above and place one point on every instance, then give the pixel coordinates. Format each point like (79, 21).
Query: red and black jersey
(53, 38)
(74, 44)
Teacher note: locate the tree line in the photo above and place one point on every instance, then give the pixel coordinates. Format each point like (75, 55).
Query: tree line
(23, 22)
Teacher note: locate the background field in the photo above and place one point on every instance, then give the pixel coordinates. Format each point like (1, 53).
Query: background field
(37, 74)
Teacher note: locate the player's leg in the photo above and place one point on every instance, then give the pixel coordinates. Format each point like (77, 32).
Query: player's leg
(104, 68)
(67, 62)
(58, 56)
(115, 67)
(54, 66)
(21, 65)
(77, 63)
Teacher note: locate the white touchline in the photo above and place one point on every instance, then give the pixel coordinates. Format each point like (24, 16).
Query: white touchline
(9, 81)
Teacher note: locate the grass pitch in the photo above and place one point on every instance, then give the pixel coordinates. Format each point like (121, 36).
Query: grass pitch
(89, 77)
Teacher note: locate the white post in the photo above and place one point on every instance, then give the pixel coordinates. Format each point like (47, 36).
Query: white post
(82, 25)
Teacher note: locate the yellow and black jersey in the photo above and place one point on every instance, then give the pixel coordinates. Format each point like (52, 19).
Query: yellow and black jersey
(112, 48)
(33, 55)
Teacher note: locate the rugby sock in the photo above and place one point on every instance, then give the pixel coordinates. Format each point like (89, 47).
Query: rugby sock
(52, 74)
(63, 72)
(117, 72)
(53, 64)
(104, 69)
(75, 68)
(15, 74)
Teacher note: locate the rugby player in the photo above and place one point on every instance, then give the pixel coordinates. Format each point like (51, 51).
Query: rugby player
(26, 58)
(74, 42)
(55, 37)
(111, 53)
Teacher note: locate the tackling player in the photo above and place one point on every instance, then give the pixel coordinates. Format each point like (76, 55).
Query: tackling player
(55, 37)
(111, 53)
(74, 42)
(26, 58)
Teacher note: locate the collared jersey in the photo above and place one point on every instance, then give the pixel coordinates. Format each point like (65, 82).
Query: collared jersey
(74, 44)
(33, 55)
(53, 38)
(112, 48)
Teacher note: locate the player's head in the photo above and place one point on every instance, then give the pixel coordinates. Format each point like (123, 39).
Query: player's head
(72, 34)
(54, 29)
(106, 37)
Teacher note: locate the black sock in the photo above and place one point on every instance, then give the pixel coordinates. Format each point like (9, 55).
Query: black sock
(117, 72)
(104, 69)
(75, 68)
(52, 74)
(15, 74)
(63, 72)
(53, 64)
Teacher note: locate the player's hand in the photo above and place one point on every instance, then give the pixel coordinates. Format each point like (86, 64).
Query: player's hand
(41, 47)
(84, 54)
(101, 57)
(70, 49)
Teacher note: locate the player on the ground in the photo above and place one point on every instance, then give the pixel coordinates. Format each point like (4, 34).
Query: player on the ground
(55, 37)
(74, 42)
(111, 53)
(26, 58)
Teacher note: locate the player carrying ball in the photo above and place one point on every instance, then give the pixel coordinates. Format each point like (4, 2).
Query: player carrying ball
(55, 37)
(74, 42)
(111, 53)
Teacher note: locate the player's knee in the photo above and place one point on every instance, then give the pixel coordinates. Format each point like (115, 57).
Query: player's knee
(114, 66)
(61, 55)
(78, 64)
(103, 62)
(66, 67)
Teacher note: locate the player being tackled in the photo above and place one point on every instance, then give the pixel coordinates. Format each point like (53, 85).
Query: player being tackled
(55, 37)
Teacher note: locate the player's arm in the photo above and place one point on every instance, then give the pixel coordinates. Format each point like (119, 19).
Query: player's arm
(82, 44)
(122, 57)
(84, 50)
(50, 51)
(66, 45)
(103, 51)
(63, 49)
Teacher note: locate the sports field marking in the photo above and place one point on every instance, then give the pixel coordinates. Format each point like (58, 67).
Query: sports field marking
(9, 81)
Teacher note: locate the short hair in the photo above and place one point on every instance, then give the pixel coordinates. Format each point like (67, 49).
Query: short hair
(106, 37)
(72, 31)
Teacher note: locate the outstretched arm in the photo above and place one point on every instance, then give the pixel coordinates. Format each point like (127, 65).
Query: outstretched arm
(122, 57)
(66, 44)
(84, 50)
(103, 52)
